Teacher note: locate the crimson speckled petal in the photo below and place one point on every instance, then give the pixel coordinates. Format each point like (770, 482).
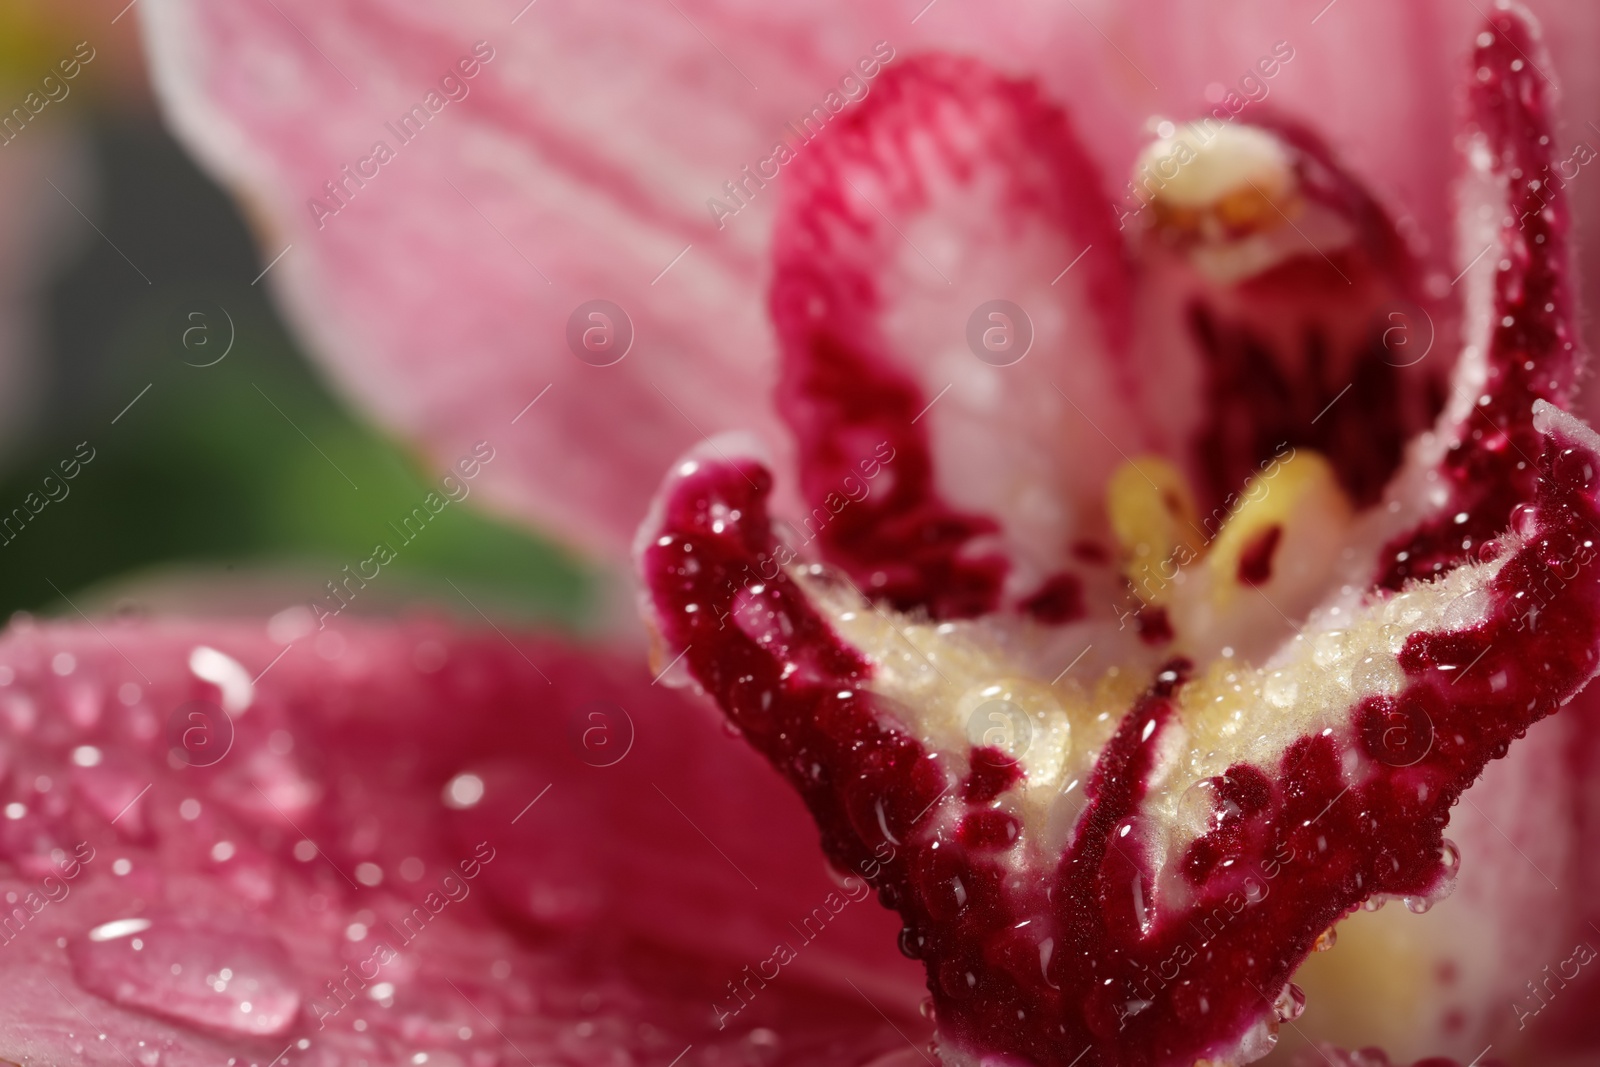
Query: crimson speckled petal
(1042, 954)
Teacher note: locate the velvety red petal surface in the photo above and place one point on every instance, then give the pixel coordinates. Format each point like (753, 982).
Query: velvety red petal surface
(1047, 956)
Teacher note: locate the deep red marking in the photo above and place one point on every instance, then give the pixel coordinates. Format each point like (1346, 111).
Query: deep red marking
(1155, 628)
(989, 829)
(1092, 552)
(992, 773)
(1255, 562)
(1059, 600)
(1532, 351)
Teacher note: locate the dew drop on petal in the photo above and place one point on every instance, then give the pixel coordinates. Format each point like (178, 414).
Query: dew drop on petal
(463, 791)
(1291, 1003)
(1525, 520)
(177, 973)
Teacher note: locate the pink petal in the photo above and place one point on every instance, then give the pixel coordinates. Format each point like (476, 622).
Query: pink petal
(1415, 986)
(590, 145)
(1528, 820)
(589, 890)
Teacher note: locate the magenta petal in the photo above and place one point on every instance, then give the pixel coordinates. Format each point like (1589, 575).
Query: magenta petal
(570, 864)
(1521, 337)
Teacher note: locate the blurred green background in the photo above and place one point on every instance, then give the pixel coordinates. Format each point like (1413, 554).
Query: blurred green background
(203, 470)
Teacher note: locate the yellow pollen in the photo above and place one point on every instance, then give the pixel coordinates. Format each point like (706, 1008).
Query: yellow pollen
(1289, 494)
(1153, 518)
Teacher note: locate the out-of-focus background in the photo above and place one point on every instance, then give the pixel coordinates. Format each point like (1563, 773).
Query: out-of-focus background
(134, 329)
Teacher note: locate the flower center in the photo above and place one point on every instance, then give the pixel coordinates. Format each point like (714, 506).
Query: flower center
(1238, 578)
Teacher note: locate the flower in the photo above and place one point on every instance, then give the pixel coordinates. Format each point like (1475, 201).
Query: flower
(1091, 864)
(347, 881)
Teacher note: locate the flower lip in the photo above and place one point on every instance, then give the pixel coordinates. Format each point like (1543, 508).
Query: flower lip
(1094, 943)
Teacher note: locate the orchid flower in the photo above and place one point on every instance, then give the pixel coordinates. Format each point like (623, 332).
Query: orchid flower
(1129, 577)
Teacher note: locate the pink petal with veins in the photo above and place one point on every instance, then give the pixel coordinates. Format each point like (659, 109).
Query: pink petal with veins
(582, 160)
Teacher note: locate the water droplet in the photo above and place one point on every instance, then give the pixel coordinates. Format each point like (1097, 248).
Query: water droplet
(1525, 520)
(1326, 940)
(1417, 905)
(118, 928)
(463, 791)
(1198, 807)
(1259, 1040)
(177, 974)
(1377, 674)
(227, 674)
(1281, 690)
(1573, 468)
(1291, 1003)
(956, 980)
(926, 1007)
